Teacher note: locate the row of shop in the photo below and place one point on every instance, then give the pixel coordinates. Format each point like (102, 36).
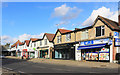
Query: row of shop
(93, 50)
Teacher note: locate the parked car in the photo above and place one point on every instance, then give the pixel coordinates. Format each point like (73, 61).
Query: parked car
(2, 56)
(118, 57)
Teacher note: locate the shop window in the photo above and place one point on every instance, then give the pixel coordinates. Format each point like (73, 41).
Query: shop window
(68, 37)
(84, 34)
(40, 43)
(100, 31)
(58, 39)
(45, 41)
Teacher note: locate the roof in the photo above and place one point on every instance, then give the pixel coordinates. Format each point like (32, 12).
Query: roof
(27, 42)
(49, 36)
(64, 30)
(34, 39)
(15, 44)
(114, 25)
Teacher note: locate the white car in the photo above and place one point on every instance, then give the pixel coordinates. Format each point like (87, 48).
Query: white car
(1, 56)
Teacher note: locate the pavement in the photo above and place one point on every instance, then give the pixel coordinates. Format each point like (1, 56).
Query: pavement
(72, 62)
(38, 65)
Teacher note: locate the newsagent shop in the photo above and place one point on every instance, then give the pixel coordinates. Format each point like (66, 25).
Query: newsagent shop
(95, 50)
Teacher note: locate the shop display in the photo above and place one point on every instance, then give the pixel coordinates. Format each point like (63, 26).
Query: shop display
(93, 56)
(103, 56)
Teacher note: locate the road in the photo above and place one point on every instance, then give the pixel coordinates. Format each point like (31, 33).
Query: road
(24, 66)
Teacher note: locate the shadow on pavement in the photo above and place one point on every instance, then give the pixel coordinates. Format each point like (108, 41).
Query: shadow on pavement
(11, 61)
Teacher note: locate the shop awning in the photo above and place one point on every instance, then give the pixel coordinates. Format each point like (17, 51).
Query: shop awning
(91, 46)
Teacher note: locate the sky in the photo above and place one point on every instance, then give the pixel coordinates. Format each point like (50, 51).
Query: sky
(25, 20)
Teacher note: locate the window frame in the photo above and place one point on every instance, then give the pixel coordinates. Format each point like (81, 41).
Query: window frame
(101, 28)
(59, 39)
(45, 42)
(68, 37)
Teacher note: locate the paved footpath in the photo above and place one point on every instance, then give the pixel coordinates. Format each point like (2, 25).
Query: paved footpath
(38, 65)
(91, 64)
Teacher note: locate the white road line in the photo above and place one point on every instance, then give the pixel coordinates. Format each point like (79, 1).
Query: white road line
(7, 68)
(21, 72)
(60, 69)
(92, 72)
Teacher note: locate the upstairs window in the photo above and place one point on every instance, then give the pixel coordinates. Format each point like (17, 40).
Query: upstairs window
(45, 41)
(58, 39)
(68, 37)
(100, 31)
(84, 34)
(34, 44)
(40, 43)
(31, 44)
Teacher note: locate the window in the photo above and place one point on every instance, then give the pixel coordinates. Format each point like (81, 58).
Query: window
(40, 43)
(45, 41)
(34, 44)
(58, 39)
(100, 31)
(84, 34)
(31, 44)
(68, 37)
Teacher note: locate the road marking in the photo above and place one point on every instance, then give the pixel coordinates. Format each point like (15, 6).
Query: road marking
(92, 72)
(21, 72)
(8, 68)
(61, 69)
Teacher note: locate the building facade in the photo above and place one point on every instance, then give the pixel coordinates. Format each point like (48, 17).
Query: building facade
(45, 46)
(64, 41)
(97, 42)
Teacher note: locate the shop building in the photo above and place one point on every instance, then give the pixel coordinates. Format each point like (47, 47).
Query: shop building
(14, 48)
(98, 42)
(64, 41)
(32, 48)
(45, 46)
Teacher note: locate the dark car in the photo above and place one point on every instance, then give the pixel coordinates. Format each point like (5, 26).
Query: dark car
(118, 57)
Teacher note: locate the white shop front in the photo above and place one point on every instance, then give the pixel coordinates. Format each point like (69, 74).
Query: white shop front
(94, 50)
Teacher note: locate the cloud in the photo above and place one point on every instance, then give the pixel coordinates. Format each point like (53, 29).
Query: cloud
(65, 12)
(63, 28)
(8, 39)
(103, 11)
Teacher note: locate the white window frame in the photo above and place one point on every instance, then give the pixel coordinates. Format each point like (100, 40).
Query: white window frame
(41, 43)
(45, 41)
(59, 39)
(68, 37)
(102, 27)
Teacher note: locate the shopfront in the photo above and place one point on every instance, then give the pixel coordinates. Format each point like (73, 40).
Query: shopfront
(43, 53)
(95, 50)
(25, 53)
(64, 51)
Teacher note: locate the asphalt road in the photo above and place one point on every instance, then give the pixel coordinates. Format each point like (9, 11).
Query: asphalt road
(23, 66)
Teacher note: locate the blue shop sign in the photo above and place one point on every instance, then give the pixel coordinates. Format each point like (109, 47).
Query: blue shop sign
(116, 34)
(117, 41)
(88, 42)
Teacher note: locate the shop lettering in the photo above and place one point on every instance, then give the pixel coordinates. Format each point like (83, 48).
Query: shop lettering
(88, 42)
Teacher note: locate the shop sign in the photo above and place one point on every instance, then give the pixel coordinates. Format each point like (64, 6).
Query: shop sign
(117, 42)
(116, 34)
(88, 42)
(99, 41)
